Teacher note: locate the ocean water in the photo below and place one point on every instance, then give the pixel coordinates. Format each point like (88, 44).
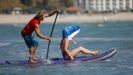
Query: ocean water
(102, 36)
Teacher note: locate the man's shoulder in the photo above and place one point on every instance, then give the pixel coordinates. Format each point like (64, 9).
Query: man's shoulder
(35, 21)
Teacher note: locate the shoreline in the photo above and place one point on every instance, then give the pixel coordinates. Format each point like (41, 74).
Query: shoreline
(13, 19)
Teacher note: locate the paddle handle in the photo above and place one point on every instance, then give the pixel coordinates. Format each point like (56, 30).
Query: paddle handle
(51, 35)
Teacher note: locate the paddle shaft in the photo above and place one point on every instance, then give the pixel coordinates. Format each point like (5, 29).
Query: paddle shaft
(51, 35)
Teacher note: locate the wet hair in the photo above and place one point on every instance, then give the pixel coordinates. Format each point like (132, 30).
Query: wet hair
(40, 13)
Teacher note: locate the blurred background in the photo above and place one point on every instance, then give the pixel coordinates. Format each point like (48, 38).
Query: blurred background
(69, 6)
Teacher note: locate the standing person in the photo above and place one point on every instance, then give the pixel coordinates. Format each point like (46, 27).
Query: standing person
(33, 26)
(68, 34)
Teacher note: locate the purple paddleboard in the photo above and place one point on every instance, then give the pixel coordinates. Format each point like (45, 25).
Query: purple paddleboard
(101, 56)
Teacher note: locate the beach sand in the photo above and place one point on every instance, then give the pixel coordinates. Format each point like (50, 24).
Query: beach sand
(9, 19)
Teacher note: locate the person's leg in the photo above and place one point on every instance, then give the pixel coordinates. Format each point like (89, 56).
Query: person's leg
(34, 57)
(31, 53)
(32, 50)
(34, 44)
(86, 51)
(83, 50)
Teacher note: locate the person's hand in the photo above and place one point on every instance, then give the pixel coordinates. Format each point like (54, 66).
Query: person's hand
(71, 57)
(49, 38)
(58, 10)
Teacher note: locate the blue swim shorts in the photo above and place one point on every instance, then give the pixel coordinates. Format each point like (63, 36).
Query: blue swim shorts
(30, 41)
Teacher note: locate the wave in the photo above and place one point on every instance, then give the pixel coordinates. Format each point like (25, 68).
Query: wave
(98, 39)
(104, 39)
(125, 66)
(78, 39)
(4, 44)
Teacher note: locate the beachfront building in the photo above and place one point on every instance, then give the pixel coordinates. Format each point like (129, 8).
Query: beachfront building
(104, 5)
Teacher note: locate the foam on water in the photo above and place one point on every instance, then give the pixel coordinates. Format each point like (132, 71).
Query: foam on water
(4, 44)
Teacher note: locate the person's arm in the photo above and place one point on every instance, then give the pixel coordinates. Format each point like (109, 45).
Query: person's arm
(66, 46)
(37, 31)
(52, 13)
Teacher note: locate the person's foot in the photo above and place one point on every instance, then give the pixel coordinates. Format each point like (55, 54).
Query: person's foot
(35, 58)
(32, 62)
(95, 52)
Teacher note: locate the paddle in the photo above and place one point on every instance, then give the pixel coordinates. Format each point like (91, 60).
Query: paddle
(51, 35)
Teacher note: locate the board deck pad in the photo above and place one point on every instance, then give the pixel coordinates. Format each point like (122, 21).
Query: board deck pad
(102, 56)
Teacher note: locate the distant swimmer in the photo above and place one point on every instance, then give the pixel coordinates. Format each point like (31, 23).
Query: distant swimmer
(33, 26)
(68, 34)
(105, 19)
